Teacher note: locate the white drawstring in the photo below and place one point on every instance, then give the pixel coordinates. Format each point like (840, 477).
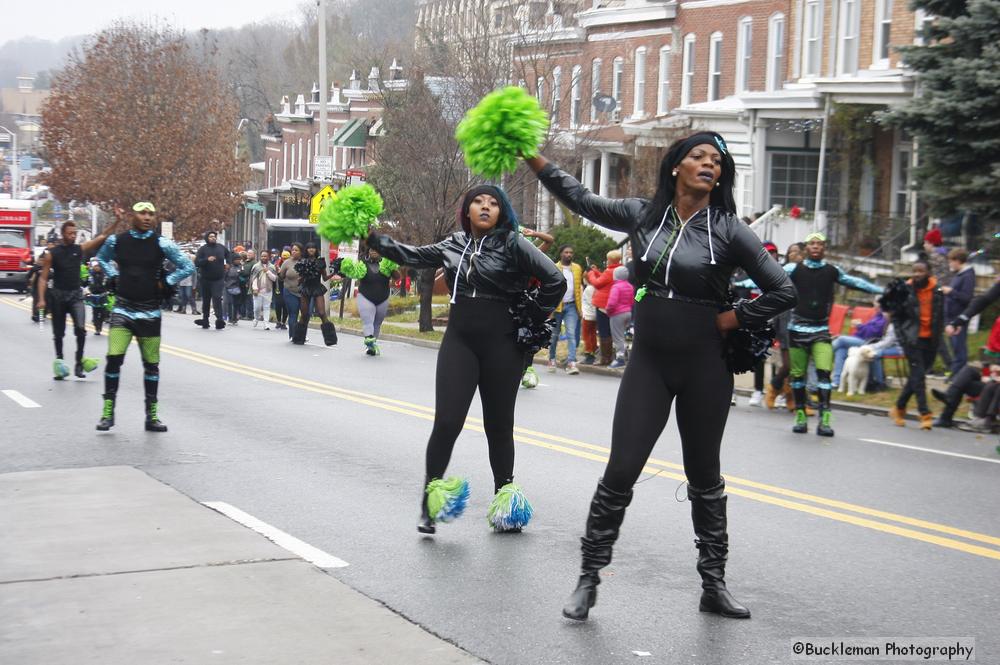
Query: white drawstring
(670, 257)
(658, 229)
(711, 250)
(458, 270)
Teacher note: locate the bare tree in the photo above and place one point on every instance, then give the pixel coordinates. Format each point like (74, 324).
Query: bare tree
(136, 116)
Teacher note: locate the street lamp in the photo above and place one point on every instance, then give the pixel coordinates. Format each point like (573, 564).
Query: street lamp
(236, 150)
(15, 174)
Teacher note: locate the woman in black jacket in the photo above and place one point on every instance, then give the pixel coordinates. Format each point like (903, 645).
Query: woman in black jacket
(312, 272)
(487, 265)
(687, 242)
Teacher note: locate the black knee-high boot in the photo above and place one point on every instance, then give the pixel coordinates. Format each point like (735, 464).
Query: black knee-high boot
(329, 333)
(607, 510)
(708, 514)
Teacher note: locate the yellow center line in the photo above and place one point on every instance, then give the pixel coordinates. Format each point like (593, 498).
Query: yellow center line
(600, 454)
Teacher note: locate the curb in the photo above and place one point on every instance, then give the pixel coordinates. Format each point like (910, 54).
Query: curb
(606, 371)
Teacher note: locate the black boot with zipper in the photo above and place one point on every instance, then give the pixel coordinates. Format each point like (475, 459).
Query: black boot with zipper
(708, 514)
(607, 510)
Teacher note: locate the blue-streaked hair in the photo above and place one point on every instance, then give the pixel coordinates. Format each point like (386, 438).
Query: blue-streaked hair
(507, 215)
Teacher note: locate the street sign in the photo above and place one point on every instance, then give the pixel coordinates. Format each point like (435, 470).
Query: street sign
(323, 167)
(322, 196)
(256, 207)
(167, 230)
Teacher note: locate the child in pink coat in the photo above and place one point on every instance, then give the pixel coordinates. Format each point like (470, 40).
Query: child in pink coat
(619, 309)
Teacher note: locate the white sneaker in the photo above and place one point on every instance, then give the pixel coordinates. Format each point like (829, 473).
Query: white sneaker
(267, 327)
(780, 402)
(571, 368)
(732, 402)
(756, 399)
(552, 365)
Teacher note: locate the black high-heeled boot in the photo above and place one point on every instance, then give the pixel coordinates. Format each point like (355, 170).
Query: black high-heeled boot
(607, 510)
(708, 514)
(426, 524)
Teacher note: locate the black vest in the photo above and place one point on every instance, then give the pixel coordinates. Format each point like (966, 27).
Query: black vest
(65, 268)
(815, 287)
(140, 264)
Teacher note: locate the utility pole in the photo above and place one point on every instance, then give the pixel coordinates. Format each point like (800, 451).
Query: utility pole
(324, 148)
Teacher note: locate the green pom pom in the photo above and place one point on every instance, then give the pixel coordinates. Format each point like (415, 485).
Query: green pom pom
(387, 267)
(350, 215)
(447, 498)
(506, 125)
(353, 269)
(90, 364)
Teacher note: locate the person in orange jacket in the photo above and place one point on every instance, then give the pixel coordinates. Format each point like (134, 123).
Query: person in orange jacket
(602, 282)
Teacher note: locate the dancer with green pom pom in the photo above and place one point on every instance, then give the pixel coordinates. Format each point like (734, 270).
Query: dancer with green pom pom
(64, 263)
(487, 264)
(372, 274)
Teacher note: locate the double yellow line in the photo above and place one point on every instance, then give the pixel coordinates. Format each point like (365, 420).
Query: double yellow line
(841, 511)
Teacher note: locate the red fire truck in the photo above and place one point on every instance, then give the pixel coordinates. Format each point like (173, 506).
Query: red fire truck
(16, 226)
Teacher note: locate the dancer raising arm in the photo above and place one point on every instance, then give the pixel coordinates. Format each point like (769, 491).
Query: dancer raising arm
(487, 265)
(687, 242)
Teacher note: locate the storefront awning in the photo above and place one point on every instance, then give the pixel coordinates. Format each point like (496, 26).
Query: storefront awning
(351, 135)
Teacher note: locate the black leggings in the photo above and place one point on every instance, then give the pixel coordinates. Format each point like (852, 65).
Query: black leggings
(478, 350)
(677, 353)
(63, 303)
(920, 358)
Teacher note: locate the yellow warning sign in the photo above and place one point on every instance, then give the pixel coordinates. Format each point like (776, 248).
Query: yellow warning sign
(322, 196)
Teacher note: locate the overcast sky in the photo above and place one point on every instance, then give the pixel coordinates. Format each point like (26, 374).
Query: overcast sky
(54, 19)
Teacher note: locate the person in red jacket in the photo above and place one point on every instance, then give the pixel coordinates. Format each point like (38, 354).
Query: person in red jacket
(602, 281)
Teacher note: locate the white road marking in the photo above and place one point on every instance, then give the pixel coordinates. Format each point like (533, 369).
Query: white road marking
(932, 450)
(21, 399)
(311, 554)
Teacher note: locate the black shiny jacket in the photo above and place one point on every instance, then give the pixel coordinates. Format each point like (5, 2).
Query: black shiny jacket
(498, 266)
(708, 249)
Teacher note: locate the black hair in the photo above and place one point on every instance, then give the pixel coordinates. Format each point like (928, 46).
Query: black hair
(310, 245)
(507, 215)
(924, 262)
(66, 224)
(566, 246)
(721, 196)
(302, 250)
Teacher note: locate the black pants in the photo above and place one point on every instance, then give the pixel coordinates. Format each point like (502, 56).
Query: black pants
(211, 295)
(988, 404)
(280, 311)
(920, 358)
(478, 351)
(63, 303)
(677, 354)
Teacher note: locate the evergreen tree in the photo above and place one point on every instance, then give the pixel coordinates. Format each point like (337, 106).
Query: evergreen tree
(954, 116)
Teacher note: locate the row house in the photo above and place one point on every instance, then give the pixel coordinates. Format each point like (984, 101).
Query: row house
(764, 73)
(279, 210)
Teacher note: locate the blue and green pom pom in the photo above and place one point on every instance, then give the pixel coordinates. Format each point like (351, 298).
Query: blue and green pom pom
(60, 369)
(387, 267)
(353, 268)
(510, 510)
(350, 215)
(447, 498)
(504, 126)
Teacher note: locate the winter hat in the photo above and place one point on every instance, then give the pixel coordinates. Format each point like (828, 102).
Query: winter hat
(934, 237)
(507, 215)
(621, 272)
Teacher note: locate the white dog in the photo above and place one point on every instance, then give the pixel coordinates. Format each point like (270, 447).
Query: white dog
(854, 376)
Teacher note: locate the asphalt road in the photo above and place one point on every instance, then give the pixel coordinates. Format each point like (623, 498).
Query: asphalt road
(879, 532)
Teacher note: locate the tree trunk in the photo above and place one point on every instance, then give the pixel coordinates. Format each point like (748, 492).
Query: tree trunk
(426, 299)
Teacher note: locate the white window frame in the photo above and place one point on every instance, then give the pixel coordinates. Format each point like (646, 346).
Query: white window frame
(847, 37)
(687, 82)
(882, 37)
(309, 162)
(714, 67)
(901, 163)
(775, 52)
(617, 77)
(298, 164)
(812, 39)
(575, 96)
(556, 94)
(595, 86)
(744, 54)
(292, 164)
(639, 83)
(270, 172)
(663, 82)
(284, 163)
(540, 90)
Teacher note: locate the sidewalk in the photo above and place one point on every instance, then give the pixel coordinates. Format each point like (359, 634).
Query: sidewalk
(109, 566)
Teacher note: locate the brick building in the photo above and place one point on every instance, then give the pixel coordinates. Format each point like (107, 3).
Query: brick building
(764, 73)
